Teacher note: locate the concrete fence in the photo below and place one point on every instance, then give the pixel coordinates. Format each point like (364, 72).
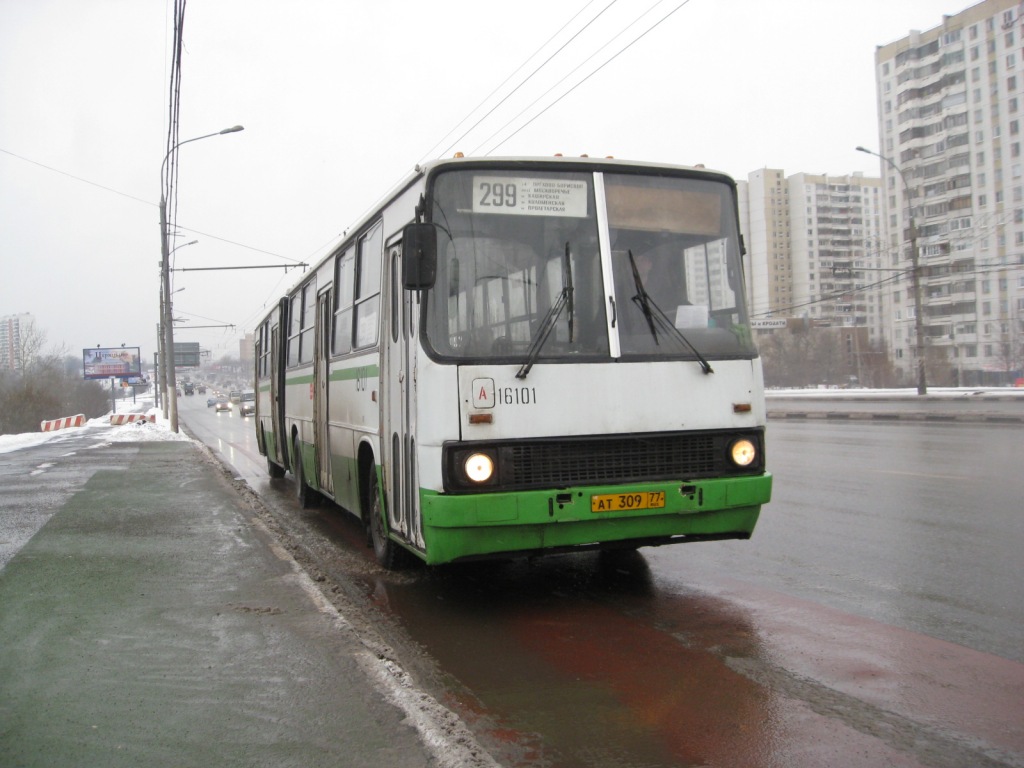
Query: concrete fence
(130, 418)
(52, 425)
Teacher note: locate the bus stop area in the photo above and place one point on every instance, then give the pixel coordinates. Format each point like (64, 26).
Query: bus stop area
(153, 620)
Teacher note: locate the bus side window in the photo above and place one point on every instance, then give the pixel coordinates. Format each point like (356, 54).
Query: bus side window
(344, 296)
(308, 322)
(294, 329)
(367, 302)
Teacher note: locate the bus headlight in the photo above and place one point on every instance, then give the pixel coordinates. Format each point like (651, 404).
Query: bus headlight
(743, 452)
(478, 467)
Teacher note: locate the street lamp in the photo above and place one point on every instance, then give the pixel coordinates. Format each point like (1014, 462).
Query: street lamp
(171, 401)
(922, 382)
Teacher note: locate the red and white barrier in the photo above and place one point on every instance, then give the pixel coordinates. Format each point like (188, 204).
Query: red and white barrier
(117, 419)
(68, 421)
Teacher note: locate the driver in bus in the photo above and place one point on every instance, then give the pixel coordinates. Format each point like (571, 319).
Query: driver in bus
(658, 269)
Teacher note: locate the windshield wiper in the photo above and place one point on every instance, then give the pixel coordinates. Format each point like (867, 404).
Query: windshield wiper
(642, 298)
(563, 300)
(654, 316)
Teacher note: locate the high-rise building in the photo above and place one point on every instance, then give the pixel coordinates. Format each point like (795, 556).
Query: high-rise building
(813, 245)
(951, 114)
(246, 348)
(12, 328)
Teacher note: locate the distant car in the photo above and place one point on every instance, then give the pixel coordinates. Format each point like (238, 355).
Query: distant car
(211, 401)
(190, 388)
(223, 404)
(236, 396)
(248, 405)
(201, 389)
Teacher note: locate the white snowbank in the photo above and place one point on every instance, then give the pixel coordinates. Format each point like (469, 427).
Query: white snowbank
(101, 430)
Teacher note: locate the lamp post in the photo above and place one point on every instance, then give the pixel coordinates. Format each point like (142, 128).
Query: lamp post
(922, 382)
(171, 401)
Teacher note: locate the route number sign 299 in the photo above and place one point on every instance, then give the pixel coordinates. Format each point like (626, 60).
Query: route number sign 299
(527, 196)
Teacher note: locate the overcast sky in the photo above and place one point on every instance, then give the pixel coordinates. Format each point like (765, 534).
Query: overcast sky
(341, 99)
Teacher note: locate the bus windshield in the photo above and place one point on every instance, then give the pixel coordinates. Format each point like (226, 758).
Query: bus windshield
(525, 275)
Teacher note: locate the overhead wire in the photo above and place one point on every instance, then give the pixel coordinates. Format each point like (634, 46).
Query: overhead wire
(594, 72)
(536, 70)
(566, 77)
(430, 152)
(297, 262)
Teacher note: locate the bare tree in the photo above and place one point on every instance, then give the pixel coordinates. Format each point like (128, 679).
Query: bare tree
(44, 386)
(805, 356)
(1011, 349)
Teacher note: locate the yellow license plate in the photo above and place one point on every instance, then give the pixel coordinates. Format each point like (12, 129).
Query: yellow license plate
(624, 502)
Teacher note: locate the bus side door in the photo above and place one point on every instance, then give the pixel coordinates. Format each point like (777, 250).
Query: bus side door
(321, 388)
(280, 448)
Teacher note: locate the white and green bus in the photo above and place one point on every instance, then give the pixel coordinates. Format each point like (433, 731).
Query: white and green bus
(524, 356)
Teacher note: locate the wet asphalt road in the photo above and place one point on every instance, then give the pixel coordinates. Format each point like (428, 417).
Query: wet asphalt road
(873, 619)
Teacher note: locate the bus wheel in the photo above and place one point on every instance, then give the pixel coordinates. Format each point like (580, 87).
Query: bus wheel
(388, 554)
(305, 494)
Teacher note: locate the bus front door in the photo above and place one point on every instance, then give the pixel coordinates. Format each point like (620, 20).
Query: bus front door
(398, 384)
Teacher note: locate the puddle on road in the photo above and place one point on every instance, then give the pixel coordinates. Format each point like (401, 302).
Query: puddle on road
(578, 660)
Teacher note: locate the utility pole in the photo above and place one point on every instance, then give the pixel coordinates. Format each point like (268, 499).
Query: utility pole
(171, 402)
(922, 382)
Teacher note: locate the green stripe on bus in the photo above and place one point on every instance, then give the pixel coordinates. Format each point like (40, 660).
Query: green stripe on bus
(359, 372)
(343, 374)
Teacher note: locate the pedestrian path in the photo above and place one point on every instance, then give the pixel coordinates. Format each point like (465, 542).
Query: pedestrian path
(152, 621)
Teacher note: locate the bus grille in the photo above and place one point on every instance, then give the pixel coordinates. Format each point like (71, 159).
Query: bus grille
(562, 463)
(613, 461)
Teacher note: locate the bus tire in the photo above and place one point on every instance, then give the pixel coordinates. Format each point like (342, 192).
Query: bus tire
(305, 495)
(388, 554)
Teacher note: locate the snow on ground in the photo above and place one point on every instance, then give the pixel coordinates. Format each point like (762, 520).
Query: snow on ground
(941, 393)
(101, 429)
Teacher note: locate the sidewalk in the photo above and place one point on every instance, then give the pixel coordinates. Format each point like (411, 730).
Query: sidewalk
(977, 406)
(153, 622)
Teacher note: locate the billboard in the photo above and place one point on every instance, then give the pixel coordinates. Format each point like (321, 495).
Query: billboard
(117, 362)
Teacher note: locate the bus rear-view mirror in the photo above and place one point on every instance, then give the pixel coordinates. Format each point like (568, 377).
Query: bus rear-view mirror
(419, 256)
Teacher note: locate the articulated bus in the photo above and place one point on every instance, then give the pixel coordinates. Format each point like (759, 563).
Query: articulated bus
(523, 356)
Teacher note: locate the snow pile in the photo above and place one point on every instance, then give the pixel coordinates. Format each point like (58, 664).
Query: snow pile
(142, 431)
(99, 429)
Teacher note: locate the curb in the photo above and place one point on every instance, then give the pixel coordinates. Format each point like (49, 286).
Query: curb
(960, 418)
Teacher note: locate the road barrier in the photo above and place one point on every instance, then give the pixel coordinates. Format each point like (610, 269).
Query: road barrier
(52, 425)
(117, 419)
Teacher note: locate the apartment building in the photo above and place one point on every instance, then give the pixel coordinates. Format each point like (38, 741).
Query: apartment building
(11, 329)
(815, 248)
(951, 113)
